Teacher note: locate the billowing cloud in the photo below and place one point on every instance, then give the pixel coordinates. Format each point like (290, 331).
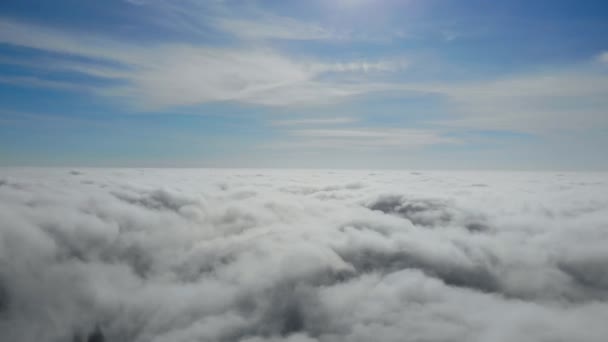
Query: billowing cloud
(262, 255)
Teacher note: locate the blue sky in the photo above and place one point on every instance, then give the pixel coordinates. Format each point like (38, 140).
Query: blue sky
(415, 84)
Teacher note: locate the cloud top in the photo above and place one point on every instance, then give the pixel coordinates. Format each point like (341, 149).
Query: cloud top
(266, 255)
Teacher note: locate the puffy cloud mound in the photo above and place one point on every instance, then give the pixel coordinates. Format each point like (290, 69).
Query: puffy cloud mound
(263, 255)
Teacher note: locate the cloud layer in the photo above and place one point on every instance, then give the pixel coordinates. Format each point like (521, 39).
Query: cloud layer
(263, 255)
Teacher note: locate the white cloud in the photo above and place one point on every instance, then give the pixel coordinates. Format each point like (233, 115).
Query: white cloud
(603, 57)
(59, 65)
(168, 75)
(275, 27)
(571, 99)
(550, 101)
(361, 66)
(311, 255)
(313, 121)
(248, 22)
(357, 138)
(178, 74)
(50, 39)
(184, 75)
(31, 81)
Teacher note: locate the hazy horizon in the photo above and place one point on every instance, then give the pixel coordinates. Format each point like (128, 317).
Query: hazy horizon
(311, 169)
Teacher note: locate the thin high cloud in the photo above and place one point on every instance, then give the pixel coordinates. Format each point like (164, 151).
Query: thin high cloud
(534, 102)
(250, 23)
(167, 75)
(363, 138)
(316, 256)
(246, 22)
(276, 27)
(346, 133)
(387, 65)
(313, 121)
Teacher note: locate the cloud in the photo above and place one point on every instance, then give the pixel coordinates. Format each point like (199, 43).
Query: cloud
(246, 22)
(534, 103)
(186, 75)
(268, 255)
(58, 65)
(276, 27)
(361, 66)
(34, 36)
(313, 121)
(35, 82)
(168, 75)
(365, 138)
(603, 57)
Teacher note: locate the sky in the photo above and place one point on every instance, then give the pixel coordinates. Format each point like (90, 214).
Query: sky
(413, 84)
